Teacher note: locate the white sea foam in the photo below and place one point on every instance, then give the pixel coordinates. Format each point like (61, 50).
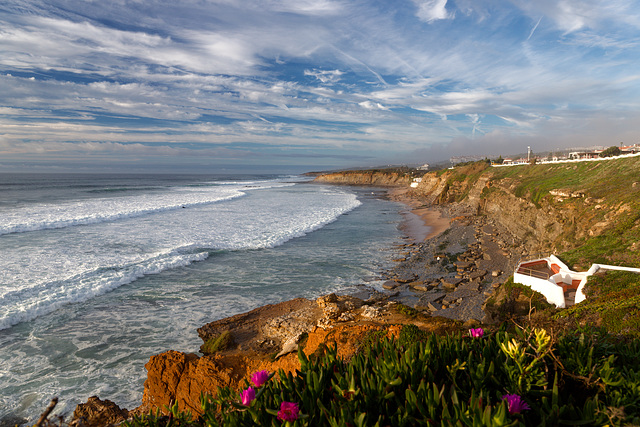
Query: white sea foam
(28, 303)
(125, 238)
(92, 211)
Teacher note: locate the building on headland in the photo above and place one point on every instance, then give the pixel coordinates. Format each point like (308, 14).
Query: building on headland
(630, 149)
(584, 155)
(559, 284)
(574, 156)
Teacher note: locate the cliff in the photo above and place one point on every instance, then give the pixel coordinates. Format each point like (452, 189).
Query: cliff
(587, 211)
(381, 178)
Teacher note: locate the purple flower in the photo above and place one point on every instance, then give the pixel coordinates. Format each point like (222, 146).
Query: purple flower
(516, 404)
(260, 377)
(247, 396)
(476, 333)
(288, 411)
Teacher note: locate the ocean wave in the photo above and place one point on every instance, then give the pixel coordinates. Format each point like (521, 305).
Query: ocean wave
(93, 211)
(27, 304)
(43, 272)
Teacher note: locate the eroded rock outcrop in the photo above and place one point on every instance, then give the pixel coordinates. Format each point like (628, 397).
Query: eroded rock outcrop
(343, 321)
(99, 413)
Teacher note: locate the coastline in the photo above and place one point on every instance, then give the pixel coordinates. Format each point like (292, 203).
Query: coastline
(421, 222)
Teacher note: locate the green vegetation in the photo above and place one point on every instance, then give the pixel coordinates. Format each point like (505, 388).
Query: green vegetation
(613, 301)
(515, 300)
(610, 152)
(218, 343)
(585, 378)
(372, 338)
(610, 179)
(407, 311)
(410, 334)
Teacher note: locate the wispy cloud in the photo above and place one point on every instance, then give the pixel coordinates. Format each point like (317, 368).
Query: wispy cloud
(281, 79)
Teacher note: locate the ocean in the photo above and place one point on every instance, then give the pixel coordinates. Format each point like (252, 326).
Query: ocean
(100, 272)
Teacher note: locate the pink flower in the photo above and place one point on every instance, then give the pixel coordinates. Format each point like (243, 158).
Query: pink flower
(288, 411)
(476, 333)
(516, 404)
(260, 377)
(247, 396)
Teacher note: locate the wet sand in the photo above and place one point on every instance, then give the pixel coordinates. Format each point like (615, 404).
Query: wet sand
(421, 223)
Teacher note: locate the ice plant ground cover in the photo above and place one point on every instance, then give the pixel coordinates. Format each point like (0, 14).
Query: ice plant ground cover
(520, 377)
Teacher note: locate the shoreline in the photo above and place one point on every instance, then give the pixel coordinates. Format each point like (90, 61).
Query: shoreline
(421, 222)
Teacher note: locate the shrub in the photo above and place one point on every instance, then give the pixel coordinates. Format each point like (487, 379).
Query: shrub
(218, 343)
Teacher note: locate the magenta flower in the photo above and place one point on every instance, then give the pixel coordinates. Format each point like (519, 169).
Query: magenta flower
(288, 411)
(247, 396)
(476, 333)
(260, 377)
(516, 404)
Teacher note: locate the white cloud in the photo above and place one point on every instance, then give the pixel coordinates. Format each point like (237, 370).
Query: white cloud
(432, 10)
(325, 76)
(372, 105)
(308, 7)
(227, 71)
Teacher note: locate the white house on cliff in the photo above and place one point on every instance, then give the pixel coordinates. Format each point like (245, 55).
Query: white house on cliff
(560, 285)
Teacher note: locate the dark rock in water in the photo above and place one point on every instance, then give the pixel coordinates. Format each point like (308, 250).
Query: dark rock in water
(12, 421)
(406, 278)
(390, 284)
(98, 412)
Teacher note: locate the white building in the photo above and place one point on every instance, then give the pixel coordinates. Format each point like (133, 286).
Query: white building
(560, 285)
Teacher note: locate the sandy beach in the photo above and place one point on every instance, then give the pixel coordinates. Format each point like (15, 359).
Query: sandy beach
(421, 223)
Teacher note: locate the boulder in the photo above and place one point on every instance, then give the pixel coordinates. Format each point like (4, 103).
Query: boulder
(370, 312)
(434, 306)
(390, 284)
(451, 283)
(99, 413)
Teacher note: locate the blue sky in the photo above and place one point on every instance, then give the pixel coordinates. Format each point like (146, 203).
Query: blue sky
(297, 85)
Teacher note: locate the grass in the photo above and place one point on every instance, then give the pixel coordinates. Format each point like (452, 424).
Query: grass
(613, 301)
(372, 338)
(407, 311)
(612, 180)
(218, 343)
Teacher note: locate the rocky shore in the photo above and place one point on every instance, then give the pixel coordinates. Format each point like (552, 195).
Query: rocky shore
(439, 284)
(452, 274)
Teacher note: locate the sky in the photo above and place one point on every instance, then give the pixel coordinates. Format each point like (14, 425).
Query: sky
(299, 85)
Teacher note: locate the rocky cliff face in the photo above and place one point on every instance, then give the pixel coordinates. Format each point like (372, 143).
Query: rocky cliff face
(378, 178)
(545, 220)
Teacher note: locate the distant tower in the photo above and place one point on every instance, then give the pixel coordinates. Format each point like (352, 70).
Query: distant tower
(528, 154)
